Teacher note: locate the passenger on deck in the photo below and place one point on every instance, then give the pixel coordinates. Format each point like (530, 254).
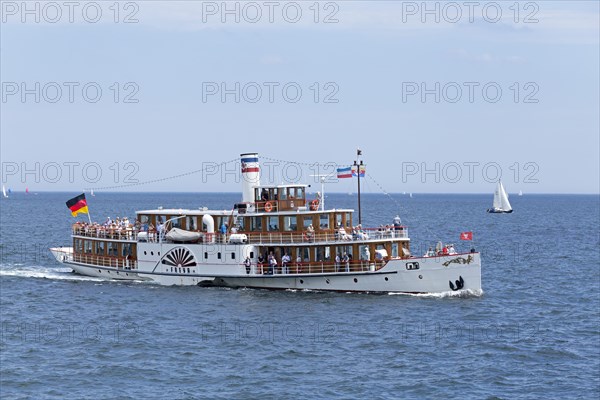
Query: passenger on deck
(272, 264)
(298, 264)
(247, 264)
(451, 250)
(360, 234)
(284, 263)
(160, 230)
(310, 233)
(223, 230)
(346, 261)
(397, 222)
(343, 235)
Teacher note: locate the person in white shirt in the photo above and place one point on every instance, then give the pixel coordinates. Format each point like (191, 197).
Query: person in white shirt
(284, 263)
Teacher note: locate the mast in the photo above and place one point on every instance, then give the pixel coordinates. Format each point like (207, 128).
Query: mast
(358, 166)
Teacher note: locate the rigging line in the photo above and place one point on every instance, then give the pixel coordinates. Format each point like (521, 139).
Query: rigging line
(429, 235)
(385, 192)
(158, 179)
(328, 163)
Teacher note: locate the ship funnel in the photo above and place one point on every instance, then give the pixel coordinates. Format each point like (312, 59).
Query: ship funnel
(250, 176)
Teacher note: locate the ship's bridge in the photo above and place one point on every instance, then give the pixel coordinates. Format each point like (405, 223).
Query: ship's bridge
(270, 198)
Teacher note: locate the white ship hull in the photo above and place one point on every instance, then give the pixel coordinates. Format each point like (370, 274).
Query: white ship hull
(433, 275)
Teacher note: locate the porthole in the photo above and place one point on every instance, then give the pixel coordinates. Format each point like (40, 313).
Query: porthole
(100, 271)
(205, 255)
(327, 280)
(233, 256)
(386, 279)
(301, 281)
(420, 276)
(158, 253)
(355, 280)
(151, 253)
(145, 252)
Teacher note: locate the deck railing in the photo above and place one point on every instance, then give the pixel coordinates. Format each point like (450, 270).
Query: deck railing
(316, 267)
(306, 237)
(106, 233)
(292, 237)
(103, 261)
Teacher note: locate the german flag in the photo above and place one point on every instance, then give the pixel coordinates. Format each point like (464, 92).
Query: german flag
(78, 205)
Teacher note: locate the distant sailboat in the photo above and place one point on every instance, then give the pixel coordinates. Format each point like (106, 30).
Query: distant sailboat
(520, 193)
(92, 192)
(26, 190)
(501, 203)
(410, 195)
(4, 192)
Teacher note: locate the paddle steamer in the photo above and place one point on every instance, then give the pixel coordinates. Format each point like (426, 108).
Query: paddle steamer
(275, 238)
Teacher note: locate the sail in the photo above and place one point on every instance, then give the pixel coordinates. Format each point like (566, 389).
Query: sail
(497, 196)
(4, 191)
(504, 203)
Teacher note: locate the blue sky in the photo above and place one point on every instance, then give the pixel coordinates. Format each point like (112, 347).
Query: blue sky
(361, 78)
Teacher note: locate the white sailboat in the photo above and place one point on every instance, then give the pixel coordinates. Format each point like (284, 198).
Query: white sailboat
(501, 203)
(520, 193)
(4, 191)
(92, 192)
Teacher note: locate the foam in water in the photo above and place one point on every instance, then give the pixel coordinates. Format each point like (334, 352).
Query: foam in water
(38, 271)
(468, 293)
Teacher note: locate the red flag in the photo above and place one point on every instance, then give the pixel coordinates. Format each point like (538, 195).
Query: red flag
(466, 236)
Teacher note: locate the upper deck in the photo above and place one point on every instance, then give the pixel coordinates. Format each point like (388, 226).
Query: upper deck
(134, 234)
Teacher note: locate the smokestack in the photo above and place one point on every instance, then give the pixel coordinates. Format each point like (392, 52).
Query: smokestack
(250, 176)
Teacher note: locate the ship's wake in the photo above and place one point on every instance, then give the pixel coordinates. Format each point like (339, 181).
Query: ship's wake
(461, 294)
(41, 272)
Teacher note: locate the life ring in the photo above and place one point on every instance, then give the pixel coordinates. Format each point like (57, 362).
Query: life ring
(268, 206)
(314, 205)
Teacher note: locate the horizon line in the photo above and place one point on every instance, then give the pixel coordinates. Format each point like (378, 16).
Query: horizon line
(341, 193)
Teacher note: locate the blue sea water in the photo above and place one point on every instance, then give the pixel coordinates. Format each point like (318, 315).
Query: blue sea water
(533, 333)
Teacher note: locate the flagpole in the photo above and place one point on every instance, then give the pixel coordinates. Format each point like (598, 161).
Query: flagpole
(88, 207)
(356, 163)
